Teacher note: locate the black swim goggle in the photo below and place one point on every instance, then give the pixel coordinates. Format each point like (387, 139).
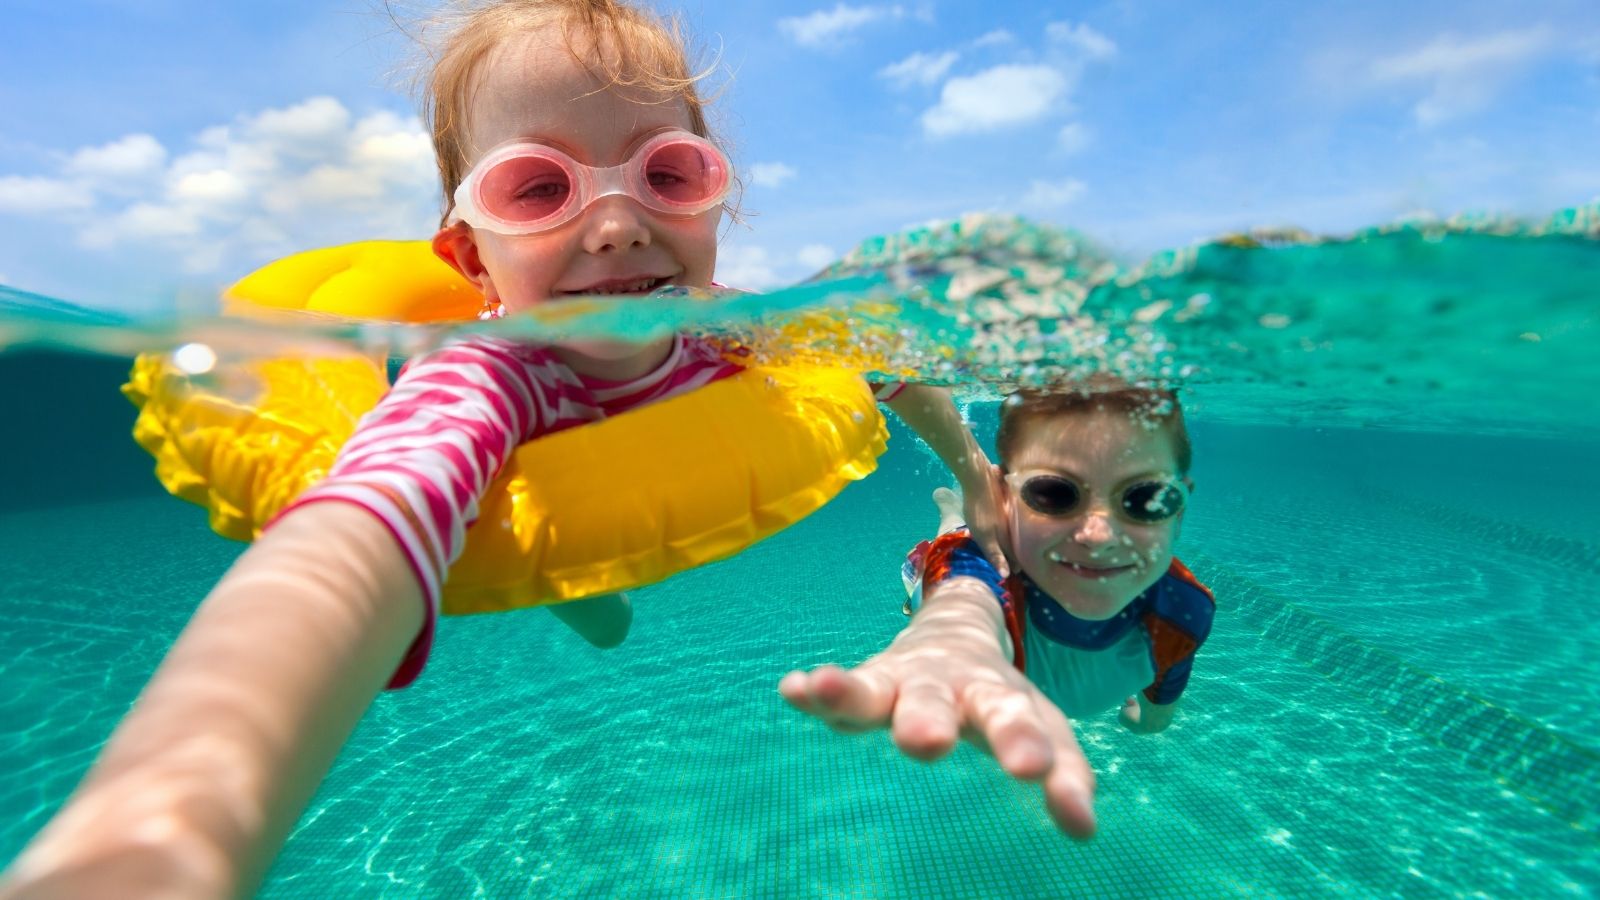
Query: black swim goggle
(1140, 501)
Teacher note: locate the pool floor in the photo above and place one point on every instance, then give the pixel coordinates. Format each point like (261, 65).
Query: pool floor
(1333, 740)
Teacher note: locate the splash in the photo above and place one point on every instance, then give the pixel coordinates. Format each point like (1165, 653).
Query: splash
(1474, 323)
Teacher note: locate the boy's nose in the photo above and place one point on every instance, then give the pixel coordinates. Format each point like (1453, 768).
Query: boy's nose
(614, 223)
(1095, 530)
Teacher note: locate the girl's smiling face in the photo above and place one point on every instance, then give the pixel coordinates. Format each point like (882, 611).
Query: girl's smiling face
(1094, 561)
(532, 88)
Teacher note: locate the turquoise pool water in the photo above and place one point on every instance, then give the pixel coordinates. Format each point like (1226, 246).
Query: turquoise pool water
(1395, 506)
(1395, 701)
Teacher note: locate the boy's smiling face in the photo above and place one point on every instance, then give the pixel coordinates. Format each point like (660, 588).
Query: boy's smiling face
(1094, 562)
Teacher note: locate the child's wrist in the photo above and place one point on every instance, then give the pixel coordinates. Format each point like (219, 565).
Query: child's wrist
(104, 860)
(958, 620)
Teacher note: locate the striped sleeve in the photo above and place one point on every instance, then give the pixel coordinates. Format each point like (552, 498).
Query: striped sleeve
(885, 392)
(690, 364)
(423, 456)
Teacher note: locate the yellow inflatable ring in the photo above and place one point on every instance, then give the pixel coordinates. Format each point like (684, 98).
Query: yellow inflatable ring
(727, 464)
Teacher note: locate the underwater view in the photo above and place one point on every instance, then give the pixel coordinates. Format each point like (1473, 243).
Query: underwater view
(1394, 439)
(638, 448)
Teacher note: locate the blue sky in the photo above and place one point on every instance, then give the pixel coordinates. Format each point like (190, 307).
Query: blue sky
(151, 149)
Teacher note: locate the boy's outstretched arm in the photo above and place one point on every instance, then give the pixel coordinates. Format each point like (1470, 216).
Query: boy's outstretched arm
(932, 414)
(948, 675)
(199, 785)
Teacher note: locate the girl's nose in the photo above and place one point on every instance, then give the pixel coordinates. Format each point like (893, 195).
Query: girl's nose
(615, 223)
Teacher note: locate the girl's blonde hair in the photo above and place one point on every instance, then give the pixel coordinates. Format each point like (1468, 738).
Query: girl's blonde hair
(629, 48)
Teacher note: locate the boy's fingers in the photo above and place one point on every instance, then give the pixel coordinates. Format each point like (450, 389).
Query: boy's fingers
(1012, 728)
(1071, 809)
(1069, 788)
(927, 723)
(792, 688)
(850, 700)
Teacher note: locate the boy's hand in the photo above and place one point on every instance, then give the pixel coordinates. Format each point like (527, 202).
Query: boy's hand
(1129, 715)
(1146, 718)
(933, 688)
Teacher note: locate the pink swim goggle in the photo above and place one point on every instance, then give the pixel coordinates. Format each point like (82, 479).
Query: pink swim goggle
(526, 187)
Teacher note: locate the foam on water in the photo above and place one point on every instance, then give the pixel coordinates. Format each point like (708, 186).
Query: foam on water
(1425, 324)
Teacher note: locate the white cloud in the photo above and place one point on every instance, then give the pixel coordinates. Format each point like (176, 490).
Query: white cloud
(996, 98)
(142, 222)
(309, 129)
(756, 268)
(1450, 55)
(1073, 137)
(132, 157)
(1054, 194)
(747, 268)
(1034, 87)
(1084, 41)
(826, 27)
(1462, 74)
(260, 186)
(218, 187)
(34, 195)
(919, 68)
(995, 38)
(816, 257)
(771, 174)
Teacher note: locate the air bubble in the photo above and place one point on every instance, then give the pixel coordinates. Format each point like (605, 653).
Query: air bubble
(194, 359)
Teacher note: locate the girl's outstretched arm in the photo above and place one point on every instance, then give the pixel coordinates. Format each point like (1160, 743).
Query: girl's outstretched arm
(931, 413)
(199, 785)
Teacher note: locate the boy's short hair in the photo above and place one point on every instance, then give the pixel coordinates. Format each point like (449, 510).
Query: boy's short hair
(1153, 407)
(641, 52)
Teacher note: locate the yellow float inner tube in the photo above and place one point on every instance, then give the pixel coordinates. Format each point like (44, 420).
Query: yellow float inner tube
(391, 281)
(603, 507)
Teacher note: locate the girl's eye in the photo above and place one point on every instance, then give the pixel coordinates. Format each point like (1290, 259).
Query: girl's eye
(664, 178)
(525, 187)
(546, 190)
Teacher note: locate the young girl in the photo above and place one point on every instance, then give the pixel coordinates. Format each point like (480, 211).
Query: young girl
(1097, 616)
(575, 160)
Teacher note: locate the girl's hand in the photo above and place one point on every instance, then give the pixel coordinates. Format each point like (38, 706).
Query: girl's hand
(941, 681)
(133, 870)
(982, 508)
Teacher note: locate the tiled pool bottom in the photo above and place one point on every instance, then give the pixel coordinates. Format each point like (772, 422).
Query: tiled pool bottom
(525, 764)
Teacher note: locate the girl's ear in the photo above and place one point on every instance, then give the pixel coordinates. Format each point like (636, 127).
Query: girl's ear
(456, 245)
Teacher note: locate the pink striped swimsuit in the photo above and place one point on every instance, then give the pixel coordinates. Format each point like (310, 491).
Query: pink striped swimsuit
(423, 456)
